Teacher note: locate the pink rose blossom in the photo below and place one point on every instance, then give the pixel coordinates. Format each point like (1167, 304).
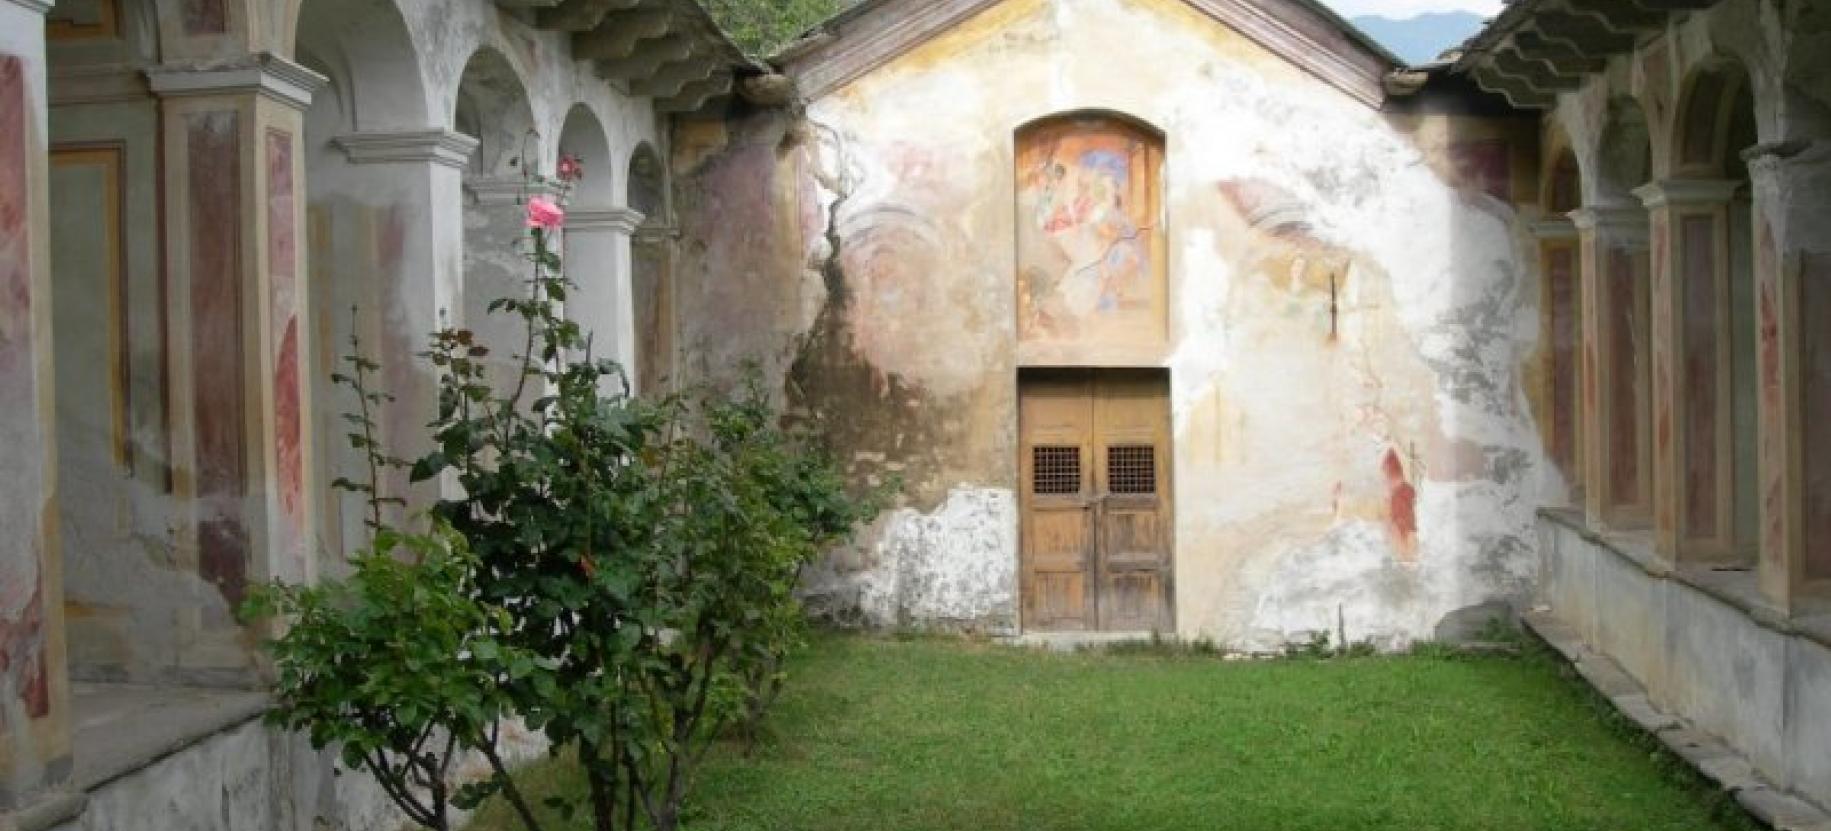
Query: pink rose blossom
(570, 170)
(542, 213)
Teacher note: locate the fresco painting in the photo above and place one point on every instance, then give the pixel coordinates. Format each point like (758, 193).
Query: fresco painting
(283, 257)
(23, 661)
(214, 185)
(1089, 232)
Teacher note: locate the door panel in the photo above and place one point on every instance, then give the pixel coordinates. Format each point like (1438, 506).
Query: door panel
(1096, 527)
(1131, 443)
(1058, 523)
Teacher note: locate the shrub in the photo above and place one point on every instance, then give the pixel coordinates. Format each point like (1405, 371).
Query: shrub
(616, 572)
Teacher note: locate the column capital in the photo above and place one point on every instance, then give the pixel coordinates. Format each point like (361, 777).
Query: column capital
(654, 231)
(622, 220)
(1554, 228)
(509, 189)
(1772, 158)
(436, 146)
(1677, 193)
(1611, 219)
(37, 6)
(265, 74)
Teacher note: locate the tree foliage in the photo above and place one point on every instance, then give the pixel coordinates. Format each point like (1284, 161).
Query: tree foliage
(616, 572)
(762, 27)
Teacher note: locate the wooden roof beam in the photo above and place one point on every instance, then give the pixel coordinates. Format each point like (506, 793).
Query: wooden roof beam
(1587, 32)
(1622, 15)
(621, 34)
(671, 78)
(581, 15)
(646, 60)
(1518, 92)
(1537, 73)
(694, 96)
(1562, 55)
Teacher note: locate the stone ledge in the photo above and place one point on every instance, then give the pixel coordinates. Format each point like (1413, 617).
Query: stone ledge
(1744, 595)
(45, 812)
(122, 728)
(1714, 759)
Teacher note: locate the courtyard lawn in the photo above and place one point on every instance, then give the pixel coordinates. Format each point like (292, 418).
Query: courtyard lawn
(920, 735)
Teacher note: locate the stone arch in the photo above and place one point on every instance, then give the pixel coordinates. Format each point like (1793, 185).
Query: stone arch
(582, 137)
(1715, 121)
(1623, 156)
(365, 50)
(651, 265)
(1560, 184)
(646, 185)
(1560, 296)
(596, 241)
(493, 107)
(369, 200)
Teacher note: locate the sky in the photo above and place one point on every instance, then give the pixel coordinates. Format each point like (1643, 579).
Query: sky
(1401, 9)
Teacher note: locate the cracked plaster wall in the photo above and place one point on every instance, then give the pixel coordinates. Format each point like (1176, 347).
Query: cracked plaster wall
(1353, 306)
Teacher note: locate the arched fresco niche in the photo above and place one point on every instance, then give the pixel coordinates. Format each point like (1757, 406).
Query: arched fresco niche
(368, 242)
(492, 106)
(1090, 238)
(1715, 275)
(652, 293)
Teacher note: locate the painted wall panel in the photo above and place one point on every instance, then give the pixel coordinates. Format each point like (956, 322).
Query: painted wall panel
(213, 171)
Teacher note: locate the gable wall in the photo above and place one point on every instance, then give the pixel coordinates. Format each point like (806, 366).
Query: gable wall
(1375, 467)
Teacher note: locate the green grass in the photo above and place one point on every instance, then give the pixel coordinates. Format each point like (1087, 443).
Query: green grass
(919, 734)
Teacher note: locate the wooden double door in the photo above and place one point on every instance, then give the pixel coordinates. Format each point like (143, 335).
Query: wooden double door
(1096, 533)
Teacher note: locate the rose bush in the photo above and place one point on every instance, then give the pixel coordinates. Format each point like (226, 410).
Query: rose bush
(616, 572)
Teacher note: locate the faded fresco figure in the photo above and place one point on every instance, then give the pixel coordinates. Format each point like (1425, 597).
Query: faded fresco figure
(1089, 262)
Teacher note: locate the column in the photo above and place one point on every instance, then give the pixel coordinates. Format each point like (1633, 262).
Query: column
(1792, 210)
(658, 369)
(1693, 466)
(400, 269)
(240, 334)
(1563, 337)
(496, 266)
(1613, 263)
(598, 262)
(34, 683)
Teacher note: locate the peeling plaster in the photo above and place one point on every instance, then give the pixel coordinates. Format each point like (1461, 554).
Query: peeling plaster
(1365, 254)
(953, 568)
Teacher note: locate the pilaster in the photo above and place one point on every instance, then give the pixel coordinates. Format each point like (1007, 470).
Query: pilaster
(1562, 333)
(34, 679)
(398, 198)
(241, 334)
(1612, 262)
(1792, 211)
(1693, 468)
(597, 244)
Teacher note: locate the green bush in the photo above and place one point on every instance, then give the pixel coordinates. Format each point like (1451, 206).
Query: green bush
(616, 572)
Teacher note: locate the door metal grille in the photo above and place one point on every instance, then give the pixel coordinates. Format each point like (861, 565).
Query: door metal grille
(1055, 469)
(1131, 469)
